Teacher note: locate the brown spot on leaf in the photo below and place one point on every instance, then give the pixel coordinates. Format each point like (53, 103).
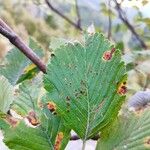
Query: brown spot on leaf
(52, 107)
(122, 89)
(11, 120)
(52, 54)
(147, 142)
(32, 118)
(68, 103)
(124, 83)
(58, 141)
(108, 54)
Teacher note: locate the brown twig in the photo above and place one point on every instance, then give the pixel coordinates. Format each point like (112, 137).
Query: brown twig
(128, 24)
(76, 25)
(78, 13)
(6, 31)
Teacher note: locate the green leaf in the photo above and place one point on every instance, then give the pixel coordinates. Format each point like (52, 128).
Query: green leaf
(6, 95)
(3, 124)
(44, 136)
(29, 73)
(120, 45)
(27, 97)
(16, 62)
(84, 86)
(23, 137)
(130, 132)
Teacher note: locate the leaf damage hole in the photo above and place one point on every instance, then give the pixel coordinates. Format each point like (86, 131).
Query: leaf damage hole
(58, 141)
(52, 107)
(108, 54)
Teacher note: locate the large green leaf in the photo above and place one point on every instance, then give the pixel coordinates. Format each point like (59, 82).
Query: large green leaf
(131, 133)
(16, 62)
(47, 126)
(84, 85)
(43, 137)
(6, 95)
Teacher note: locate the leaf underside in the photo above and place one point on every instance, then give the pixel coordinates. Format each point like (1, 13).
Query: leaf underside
(84, 86)
(131, 133)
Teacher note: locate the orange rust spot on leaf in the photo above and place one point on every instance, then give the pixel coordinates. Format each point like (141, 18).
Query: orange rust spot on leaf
(32, 118)
(147, 142)
(108, 54)
(122, 89)
(51, 106)
(58, 141)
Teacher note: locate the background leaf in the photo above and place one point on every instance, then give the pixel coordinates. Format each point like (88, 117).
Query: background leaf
(6, 94)
(130, 132)
(16, 62)
(49, 131)
(26, 138)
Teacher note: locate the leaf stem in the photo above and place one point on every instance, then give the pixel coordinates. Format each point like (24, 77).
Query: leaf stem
(84, 144)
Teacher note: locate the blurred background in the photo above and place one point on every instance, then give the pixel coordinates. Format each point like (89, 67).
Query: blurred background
(124, 22)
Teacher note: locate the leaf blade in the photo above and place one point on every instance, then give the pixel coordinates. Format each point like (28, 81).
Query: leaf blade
(79, 74)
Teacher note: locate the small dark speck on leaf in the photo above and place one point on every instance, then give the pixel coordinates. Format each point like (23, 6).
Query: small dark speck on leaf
(52, 55)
